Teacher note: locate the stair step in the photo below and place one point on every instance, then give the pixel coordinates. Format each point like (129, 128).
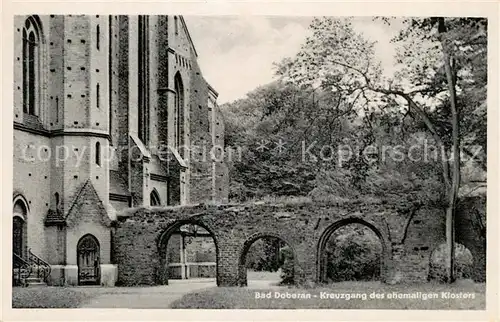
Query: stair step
(34, 279)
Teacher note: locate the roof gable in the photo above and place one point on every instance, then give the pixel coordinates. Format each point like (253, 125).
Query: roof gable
(87, 203)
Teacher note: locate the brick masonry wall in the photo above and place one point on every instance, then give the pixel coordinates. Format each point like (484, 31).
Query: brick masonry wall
(98, 73)
(142, 233)
(424, 233)
(123, 138)
(470, 230)
(113, 73)
(220, 170)
(137, 182)
(76, 76)
(29, 174)
(55, 237)
(55, 71)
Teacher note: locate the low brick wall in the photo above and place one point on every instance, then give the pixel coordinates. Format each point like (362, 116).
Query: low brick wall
(408, 236)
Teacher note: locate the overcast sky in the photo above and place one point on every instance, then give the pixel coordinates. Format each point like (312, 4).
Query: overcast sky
(236, 53)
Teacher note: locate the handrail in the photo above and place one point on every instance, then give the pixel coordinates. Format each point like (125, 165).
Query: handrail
(22, 268)
(19, 261)
(43, 268)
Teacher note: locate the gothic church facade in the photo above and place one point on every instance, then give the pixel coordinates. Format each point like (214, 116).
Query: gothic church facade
(110, 112)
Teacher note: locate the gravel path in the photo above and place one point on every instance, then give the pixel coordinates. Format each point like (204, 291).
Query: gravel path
(159, 297)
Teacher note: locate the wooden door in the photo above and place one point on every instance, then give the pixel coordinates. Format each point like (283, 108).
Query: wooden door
(88, 261)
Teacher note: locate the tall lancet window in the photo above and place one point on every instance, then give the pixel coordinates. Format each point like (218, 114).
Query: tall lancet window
(179, 114)
(143, 79)
(31, 64)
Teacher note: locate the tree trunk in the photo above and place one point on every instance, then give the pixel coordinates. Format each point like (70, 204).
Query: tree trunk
(455, 152)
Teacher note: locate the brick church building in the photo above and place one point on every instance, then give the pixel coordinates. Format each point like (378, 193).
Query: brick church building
(110, 112)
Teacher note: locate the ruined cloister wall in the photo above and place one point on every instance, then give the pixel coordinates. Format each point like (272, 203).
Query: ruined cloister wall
(408, 237)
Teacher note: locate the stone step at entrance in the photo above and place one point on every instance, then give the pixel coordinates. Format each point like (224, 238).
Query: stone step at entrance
(35, 281)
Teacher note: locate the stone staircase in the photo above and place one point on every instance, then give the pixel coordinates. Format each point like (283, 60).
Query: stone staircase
(35, 281)
(32, 271)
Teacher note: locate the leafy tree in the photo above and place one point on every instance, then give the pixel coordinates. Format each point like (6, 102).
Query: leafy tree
(263, 255)
(442, 64)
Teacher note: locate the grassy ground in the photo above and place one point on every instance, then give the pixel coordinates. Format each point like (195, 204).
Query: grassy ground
(242, 298)
(51, 297)
(211, 297)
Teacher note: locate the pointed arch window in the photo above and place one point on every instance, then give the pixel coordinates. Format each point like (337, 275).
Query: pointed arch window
(179, 114)
(31, 64)
(154, 199)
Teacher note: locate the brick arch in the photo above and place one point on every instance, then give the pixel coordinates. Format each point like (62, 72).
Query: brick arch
(327, 233)
(305, 227)
(162, 244)
(242, 272)
(19, 198)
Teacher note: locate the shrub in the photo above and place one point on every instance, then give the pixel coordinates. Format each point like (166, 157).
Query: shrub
(353, 254)
(463, 263)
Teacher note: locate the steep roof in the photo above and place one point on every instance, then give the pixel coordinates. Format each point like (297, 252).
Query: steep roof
(85, 193)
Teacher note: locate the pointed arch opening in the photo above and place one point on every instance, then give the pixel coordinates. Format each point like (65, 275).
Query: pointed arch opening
(351, 249)
(188, 249)
(154, 198)
(265, 260)
(32, 41)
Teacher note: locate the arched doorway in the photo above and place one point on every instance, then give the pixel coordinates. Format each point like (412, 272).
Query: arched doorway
(88, 260)
(188, 250)
(19, 229)
(350, 250)
(266, 260)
